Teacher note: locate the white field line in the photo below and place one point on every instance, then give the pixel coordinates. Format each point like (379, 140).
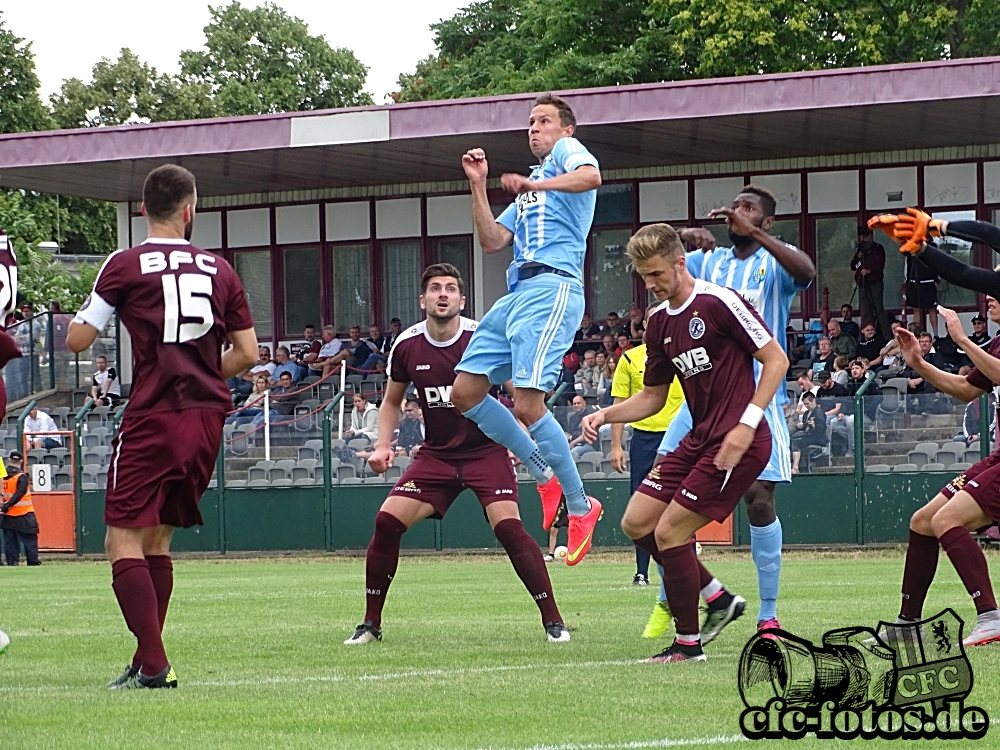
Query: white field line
(720, 739)
(302, 679)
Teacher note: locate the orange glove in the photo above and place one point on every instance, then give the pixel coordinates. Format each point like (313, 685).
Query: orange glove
(916, 222)
(887, 223)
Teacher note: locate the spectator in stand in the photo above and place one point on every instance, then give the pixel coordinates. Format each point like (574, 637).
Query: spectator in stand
(635, 327)
(889, 359)
(355, 351)
(810, 429)
(601, 359)
(847, 324)
(980, 332)
(39, 422)
(379, 346)
(843, 345)
(824, 356)
(307, 352)
(970, 420)
(588, 377)
(254, 405)
(830, 396)
(280, 403)
(921, 292)
(607, 378)
(244, 383)
(589, 330)
(325, 359)
(805, 382)
(578, 445)
(951, 357)
(623, 345)
(395, 328)
(869, 345)
(411, 430)
(106, 389)
(609, 343)
(283, 364)
(571, 360)
(364, 420)
(869, 268)
(923, 393)
(812, 337)
(613, 324)
(843, 424)
(840, 373)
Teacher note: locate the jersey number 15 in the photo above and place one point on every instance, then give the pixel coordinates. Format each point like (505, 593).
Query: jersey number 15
(187, 295)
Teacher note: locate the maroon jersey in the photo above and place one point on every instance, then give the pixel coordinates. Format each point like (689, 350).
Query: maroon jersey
(430, 366)
(178, 303)
(709, 342)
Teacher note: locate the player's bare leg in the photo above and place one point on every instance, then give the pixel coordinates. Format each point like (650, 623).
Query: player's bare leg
(396, 515)
(133, 584)
(526, 557)
(545, 453)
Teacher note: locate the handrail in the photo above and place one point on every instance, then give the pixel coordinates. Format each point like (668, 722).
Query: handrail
(116, 420)
(78, 483)
(551, 403)
(985, 438)
(20, 422)
(859, 453)
(328, 469)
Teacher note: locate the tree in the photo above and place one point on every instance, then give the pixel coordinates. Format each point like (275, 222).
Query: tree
(262, 60)
(505, 46)
(21, 108)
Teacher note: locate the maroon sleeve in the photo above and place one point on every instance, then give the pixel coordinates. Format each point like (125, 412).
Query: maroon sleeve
(238, 317)
(398, 370)
(659, 369)
(976, 377)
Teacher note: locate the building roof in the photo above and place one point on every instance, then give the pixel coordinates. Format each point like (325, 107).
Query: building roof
(879, 108)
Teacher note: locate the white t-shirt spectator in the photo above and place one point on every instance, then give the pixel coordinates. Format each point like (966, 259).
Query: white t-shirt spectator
(330, 348)
(115, 389)
(44, 423)
(269, 368)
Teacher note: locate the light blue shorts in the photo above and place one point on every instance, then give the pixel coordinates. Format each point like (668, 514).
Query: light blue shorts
(525, 334)
(779, 466)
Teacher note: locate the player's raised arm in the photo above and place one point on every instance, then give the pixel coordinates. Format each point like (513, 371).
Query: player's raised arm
(796, 262)
(493, 237)
(954, 385)
(389, 415)
(241, 355)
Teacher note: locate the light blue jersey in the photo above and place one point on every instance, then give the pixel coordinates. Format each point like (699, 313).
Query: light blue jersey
(550, 226)
(766, 285)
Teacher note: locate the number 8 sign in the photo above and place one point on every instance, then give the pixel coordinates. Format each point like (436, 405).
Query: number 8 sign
(41, 478)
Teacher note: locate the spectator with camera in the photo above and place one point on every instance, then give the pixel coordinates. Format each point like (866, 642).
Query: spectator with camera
(810, 429)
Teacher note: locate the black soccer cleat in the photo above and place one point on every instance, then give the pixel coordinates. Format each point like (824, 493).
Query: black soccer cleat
(640, 580)
(366, 632)
(139, 681)
(722, 611)
(679, 652)
(556, 632)
(124, 677)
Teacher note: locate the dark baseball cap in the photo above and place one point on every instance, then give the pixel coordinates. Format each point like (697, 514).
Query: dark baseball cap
(15, 456)
(978, 319)
(823, 376)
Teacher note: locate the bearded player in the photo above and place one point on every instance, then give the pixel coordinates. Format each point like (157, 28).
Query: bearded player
(767, 273)
(455, 455)
(179, 304)
(710, 338)
(525, 334)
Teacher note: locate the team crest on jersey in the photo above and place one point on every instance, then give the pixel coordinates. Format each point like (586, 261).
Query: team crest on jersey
(696, 328)
(760, 273)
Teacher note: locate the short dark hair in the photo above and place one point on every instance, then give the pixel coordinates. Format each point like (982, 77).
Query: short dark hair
(165, 190)
(412, 401)
(284, 374)
(566, 115)
(767, 200)
(101, 356)
(308, 325)
(441, 269)
(809, 394)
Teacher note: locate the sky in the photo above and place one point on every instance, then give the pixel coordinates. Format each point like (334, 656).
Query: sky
(68, 37)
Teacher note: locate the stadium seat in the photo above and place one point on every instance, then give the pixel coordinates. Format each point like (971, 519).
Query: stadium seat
(60, 415)
(306, 452)
(593, 475)
(971, 456)
(947, 457)
(594, 457)
(904, 468)
(301, 472)
(584, 465)
(89, 486)
(90, 440)
(10, 443)
(62, 454)
(240, 442)
(393, 473)
(277, 473)
(285, 464)
(351, 480)
(878, 469)
(258, 483)
(334, 443)
(213, 484)
(281, 482)
(960, 466)
(304, 482)
(36, 456)
(237, 483)
(51, 459)
(345, 471)
(264, 464)
(103, 451)
(102, 479)
(359, 444)
(607, 467)
(256, 474)
(523, 475)
(103, 435)
(929, 448)
(954, 445)
(403, 462)
(618, 475)
(377, 479)
(932, 467)
(919, 458)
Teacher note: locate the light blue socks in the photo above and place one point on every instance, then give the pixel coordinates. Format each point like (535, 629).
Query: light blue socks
(499, 425)
(554, 447)
(765, 548)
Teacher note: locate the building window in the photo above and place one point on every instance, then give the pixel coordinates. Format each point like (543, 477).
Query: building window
(351, 286)
(610, 278)
(614, 204)
(401, 269)
(254, 269)
(789, 231)
(952, 295)
(455, 250)
(836, 240)
(301, 267)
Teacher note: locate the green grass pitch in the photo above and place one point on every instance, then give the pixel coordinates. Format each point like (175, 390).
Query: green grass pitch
(464, 663)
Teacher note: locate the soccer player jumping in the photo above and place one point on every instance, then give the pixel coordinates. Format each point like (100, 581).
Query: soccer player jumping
(455, 455)
(525, 334)
(709, 337)
(179, 304)
(971, 500)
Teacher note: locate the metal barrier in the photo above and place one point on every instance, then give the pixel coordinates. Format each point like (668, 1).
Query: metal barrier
(78, 444)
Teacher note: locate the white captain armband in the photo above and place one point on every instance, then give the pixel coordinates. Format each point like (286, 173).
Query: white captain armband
(94, 311)
(752, 416)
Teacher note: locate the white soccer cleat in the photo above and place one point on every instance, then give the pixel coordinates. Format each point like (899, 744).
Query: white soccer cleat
(557, 632)
(4, 641)
(987, 631)
(366, 632)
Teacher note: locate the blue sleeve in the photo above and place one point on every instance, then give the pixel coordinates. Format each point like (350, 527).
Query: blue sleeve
(570, 154)
(695, 263)
(789, 286)
(508, 217)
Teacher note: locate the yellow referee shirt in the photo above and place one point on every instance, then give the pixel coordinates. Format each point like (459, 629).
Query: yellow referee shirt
(628, 382)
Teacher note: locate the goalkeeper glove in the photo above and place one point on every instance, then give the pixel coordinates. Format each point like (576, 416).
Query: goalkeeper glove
(887, 223)
(915, 227)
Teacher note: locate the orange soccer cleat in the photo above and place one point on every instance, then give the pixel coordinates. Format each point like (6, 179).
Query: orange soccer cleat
(551, 493)
(581, 532)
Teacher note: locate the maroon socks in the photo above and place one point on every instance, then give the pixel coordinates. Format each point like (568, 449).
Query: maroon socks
(918, 573)
(648, 543)
(161, 570)
(527, 560)
(133, 586)
(970, 563)
(681, 579)
(381, 563)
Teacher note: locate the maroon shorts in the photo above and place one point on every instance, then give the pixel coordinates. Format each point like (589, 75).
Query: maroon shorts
(689, 478)
(437, 482)
(982, 482)
(160, 466)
